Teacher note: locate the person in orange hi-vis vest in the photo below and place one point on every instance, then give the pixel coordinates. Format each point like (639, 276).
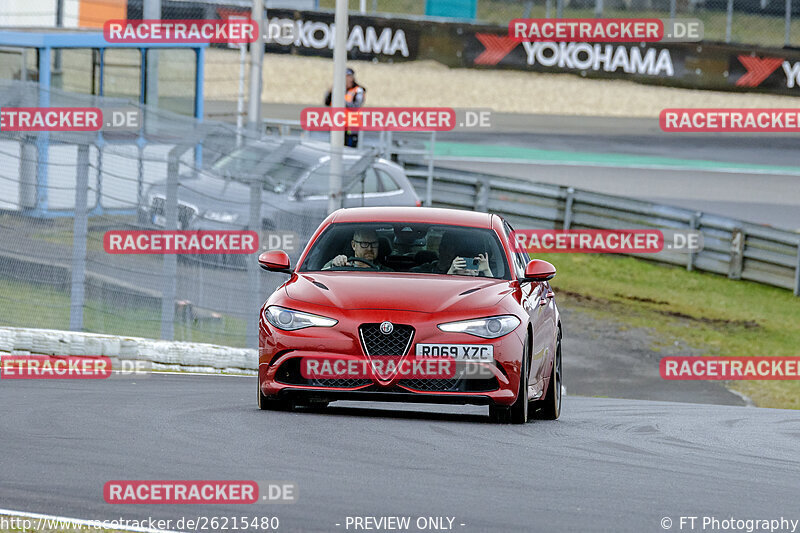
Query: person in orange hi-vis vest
(353, 97)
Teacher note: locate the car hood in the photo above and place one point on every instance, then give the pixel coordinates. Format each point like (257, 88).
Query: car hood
(425, 293)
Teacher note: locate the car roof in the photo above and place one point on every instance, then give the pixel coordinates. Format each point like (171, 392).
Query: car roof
(418, 215)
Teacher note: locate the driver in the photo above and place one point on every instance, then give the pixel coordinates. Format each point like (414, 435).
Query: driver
(450, 262)
(365, 245)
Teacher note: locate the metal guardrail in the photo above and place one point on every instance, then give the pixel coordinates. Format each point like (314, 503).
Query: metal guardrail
(737, 249)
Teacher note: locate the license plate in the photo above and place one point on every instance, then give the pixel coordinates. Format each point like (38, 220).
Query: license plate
(460, 352)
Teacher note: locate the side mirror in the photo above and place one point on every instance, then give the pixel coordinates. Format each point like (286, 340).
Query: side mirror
(538, 270)
(275, 261)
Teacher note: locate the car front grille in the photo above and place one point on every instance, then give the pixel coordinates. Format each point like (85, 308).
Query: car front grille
(439, 385)
(455, 384)
(343, 383)
(376, 344)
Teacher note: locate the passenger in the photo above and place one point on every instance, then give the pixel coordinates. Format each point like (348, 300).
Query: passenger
(449, 262)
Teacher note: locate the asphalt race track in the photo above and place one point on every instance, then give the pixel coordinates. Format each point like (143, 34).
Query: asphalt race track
(606, 465)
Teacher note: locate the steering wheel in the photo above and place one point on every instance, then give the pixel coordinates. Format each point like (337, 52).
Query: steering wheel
(367, 262)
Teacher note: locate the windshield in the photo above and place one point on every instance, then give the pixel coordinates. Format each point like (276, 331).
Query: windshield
(249, 161)
(282, 176)
(242, 161)
(434, 249)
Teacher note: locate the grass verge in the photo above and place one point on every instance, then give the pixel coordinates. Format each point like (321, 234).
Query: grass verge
(710, 313)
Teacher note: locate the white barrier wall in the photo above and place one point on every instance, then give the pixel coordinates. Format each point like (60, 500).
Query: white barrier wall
(165, 355)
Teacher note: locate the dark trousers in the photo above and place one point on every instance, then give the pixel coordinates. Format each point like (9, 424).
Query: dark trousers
(351, 139)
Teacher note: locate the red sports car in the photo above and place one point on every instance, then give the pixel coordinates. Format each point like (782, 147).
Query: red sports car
(415, 305)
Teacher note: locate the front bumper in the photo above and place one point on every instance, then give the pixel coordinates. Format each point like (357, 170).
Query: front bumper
(281, 354)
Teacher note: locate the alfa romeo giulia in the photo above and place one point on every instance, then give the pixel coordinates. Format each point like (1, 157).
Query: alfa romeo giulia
(412, 304)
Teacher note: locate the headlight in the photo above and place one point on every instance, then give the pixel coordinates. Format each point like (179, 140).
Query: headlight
(290, 320)
(489, 328)
(221, 216)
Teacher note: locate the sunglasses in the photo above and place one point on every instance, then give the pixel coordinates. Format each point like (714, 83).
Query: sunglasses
(367, 244)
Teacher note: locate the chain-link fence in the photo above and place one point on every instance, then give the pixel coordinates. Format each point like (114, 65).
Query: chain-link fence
(61, 193)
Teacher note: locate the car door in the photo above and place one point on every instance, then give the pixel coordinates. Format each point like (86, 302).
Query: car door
(536, 303)
(547, 307)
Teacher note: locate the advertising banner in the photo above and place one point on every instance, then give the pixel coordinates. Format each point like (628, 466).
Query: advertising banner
(691, 65)
(385, 39)
(695, 65)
